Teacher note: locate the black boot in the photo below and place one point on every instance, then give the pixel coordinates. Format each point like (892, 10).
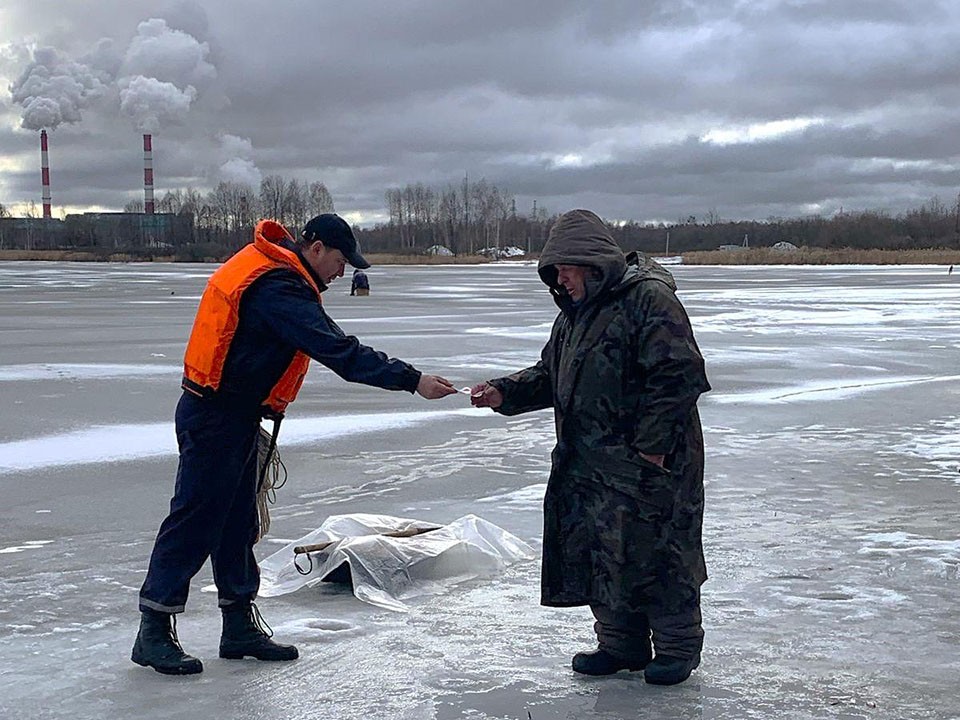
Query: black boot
(670, 670)
(245, 634)
(157, 646)
(600, 662)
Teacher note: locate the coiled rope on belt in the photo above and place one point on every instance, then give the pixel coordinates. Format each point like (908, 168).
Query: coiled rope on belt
(271, 476)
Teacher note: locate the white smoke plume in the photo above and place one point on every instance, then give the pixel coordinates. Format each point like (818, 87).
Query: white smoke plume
(160, 74)
(151, 103)
(235, 156)
(54, 89)
(170, 55)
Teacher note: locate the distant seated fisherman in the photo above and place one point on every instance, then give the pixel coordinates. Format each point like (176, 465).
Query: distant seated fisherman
(360, 284)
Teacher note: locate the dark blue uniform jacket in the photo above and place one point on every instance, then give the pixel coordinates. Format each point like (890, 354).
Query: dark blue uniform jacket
(280, 314)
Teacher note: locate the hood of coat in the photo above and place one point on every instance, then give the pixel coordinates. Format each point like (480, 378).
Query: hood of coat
(579, 237)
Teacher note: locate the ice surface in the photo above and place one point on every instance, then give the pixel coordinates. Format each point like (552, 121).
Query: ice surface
(832, 501)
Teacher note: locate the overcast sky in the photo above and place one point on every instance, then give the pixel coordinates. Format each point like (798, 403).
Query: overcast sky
(636, 109)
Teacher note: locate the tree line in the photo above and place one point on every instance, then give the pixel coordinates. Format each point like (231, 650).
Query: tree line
(932, 225)
(469, 216)
(464, 218)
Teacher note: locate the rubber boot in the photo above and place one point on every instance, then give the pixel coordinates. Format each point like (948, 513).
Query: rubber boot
(157, 646)
(600, 662)
(670, 670)
(245, 634)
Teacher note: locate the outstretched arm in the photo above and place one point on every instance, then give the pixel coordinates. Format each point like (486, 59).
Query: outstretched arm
(525, 391)
(290, 307)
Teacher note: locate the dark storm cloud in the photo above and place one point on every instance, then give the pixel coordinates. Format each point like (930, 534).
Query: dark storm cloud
(645, 110)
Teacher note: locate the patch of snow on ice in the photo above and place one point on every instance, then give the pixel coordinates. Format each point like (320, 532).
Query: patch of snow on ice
(115, 443)
(77, 371)
(532, 495)
(819, 392)
(28, 545)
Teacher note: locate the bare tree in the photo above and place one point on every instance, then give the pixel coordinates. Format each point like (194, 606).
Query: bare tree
(320, 199)
(233, 206)
(490, 209)
(467, 235)
(422, 213)
(449, 216)
(133, 206)
(397, 210)
(409, 219)
(296, 201)
(272, 193)
(196, 205)
(203, 215)
(171, 202)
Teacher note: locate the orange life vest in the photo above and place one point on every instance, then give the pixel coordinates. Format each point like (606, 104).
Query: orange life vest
(219, 313)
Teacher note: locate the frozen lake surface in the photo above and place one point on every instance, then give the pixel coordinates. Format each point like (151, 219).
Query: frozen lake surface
(833, 501)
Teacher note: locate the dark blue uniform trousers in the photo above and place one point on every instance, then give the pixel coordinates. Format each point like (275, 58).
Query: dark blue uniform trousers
(213, 512)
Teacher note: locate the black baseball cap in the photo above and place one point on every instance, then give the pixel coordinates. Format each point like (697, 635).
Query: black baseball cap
(333, 231)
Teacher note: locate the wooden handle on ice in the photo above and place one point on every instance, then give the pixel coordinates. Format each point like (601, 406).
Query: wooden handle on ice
(316, 547)
(405, 532)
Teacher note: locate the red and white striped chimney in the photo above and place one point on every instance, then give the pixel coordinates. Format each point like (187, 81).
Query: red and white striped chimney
(148, 174)
(45, 173)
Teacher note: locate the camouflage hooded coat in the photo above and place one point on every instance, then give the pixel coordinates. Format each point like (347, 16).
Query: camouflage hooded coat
(623, 373)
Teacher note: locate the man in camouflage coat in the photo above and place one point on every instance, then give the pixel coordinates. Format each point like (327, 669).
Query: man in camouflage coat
(624, 504)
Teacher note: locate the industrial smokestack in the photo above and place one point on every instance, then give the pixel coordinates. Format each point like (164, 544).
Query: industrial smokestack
(45, 173)
(148, 174)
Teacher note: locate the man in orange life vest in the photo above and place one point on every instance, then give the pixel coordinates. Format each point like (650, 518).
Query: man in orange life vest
(259, 322)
